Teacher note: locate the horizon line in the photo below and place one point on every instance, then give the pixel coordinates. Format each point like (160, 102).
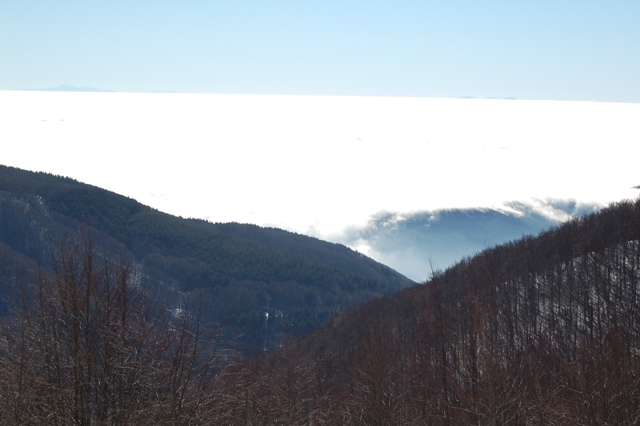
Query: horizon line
(88, 89)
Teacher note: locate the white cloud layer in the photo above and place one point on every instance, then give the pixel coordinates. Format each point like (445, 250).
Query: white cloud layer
(322, 165)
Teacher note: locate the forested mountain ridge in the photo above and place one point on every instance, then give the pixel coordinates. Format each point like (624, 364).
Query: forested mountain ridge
(542, 330)
(250, 269)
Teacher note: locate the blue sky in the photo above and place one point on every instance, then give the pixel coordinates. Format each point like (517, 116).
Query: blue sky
(559, 50)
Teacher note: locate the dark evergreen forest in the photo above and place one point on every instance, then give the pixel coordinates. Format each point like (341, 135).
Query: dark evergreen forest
(267, 284)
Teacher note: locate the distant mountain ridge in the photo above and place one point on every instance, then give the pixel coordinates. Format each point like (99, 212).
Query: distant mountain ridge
(250, 271)
(68, 88)
(413, 243)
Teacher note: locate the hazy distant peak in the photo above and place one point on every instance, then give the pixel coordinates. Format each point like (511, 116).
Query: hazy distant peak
(68, 88)
(508, 98)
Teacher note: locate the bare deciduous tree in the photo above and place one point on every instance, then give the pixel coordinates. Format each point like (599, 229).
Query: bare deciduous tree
(87, 344)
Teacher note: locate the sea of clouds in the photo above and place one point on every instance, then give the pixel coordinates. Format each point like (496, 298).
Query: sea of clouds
(330, 167)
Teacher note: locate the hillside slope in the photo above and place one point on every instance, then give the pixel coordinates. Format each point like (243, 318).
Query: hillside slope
(543, 330)
(253, 273)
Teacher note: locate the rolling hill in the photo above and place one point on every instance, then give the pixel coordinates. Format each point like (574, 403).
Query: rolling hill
(270, 284)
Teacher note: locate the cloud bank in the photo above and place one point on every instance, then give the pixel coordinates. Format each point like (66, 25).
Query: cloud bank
(420, 243)
(327, 166)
